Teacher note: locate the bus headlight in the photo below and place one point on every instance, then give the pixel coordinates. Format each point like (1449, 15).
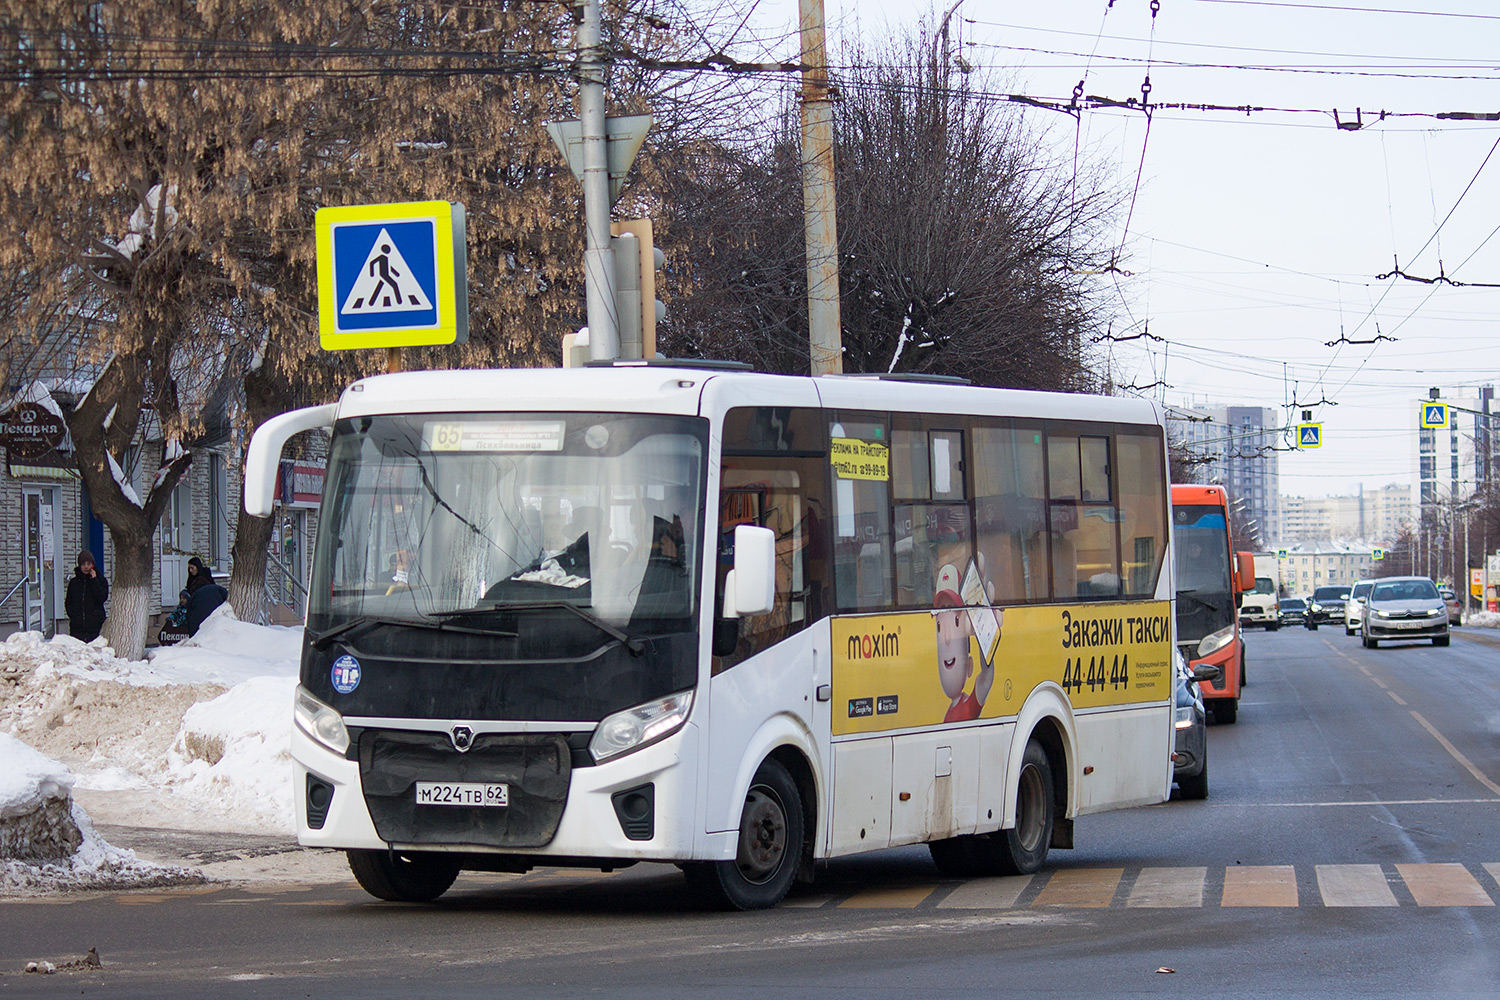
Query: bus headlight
(1215, 641)
(320, 721)
(639, 726)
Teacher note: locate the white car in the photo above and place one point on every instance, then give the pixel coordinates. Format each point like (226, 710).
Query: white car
(1354, 606)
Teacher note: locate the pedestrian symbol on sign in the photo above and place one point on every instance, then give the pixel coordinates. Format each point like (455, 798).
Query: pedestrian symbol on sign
(1309, 435)
(385, 283)
(1434, 415)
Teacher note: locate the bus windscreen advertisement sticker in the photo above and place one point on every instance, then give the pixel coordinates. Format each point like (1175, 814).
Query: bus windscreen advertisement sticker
(930, 667)
(345, 674)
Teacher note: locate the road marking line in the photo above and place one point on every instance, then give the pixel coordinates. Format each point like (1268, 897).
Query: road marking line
(1354, 885)
(897, 897)
(1493, 869)
(1377, 680)
(1260, 885)
(1362, 803)
(1443, 885)
(1164, 887)
(1398, 699)
(987, 893)
(1089, 887)
(803, 902)
(1453, 751)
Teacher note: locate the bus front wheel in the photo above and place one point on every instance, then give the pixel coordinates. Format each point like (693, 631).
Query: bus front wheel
(403, 878)
(770, 846)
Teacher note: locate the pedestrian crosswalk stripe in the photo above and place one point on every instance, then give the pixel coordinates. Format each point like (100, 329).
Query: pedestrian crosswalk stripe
(1354, 885)
(1168, 887)
(1080, 887)
(1443, 885)
(895, 897)
(987, 893)
(1494, 869)
(1260, 885)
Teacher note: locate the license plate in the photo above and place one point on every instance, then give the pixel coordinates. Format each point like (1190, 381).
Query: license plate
(462, 793)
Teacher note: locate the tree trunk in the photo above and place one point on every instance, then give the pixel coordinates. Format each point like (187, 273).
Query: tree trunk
(247, 581)
(131, 594)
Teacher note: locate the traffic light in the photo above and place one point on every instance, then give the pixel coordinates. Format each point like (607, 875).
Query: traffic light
(638, 309)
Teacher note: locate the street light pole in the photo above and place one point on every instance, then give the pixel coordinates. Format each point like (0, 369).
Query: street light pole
(598, 257)
(820, 218)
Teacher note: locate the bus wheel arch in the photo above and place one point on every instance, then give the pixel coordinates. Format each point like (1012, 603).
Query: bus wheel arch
(771, 845)
(1047, 719)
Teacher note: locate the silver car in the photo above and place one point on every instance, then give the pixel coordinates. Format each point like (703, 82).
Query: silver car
(1404, 607)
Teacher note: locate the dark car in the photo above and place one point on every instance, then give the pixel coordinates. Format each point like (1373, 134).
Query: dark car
(1327, 605)
(1292, 611)
(1190, 747)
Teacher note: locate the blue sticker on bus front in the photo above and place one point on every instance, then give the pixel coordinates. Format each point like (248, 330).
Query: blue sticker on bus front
(345, 674)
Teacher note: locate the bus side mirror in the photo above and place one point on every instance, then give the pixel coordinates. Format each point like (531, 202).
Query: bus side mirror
(1244, 572)
(263, 458)
(1207, 672)
(750, 588)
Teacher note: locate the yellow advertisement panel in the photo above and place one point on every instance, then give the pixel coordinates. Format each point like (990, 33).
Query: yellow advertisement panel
(855, 459)
(927, 668)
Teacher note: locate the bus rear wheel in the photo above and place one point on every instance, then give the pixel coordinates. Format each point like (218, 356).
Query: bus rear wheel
(1022, 849)
(403, 878)
(770, 846)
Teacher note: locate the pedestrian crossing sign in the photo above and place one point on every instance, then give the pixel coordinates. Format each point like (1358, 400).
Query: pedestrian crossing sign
(1377, 554)
(1434, 415)
(1281, 553)
(392, 275)
(1309, 435)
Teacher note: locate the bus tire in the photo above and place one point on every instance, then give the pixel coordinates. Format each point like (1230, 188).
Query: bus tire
(770, 846)
(1022, 849)
(1226, 711)
(403, 878)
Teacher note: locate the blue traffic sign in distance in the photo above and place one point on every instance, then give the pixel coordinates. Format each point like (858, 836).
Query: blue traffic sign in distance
(1434, 415)
(1309, 435)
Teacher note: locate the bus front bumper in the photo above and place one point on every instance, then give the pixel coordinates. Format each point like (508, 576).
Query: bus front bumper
(592, 824)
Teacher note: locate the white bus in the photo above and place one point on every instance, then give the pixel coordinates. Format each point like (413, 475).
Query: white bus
(741, 622)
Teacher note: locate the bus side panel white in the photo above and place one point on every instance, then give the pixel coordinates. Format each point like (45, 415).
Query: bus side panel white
(934, 785)
(754, 707)
(861, 819)
(994, 764)
(1129, 754)
(1045, 702)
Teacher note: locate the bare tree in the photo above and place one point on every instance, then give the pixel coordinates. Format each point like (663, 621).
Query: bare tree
(964, 245)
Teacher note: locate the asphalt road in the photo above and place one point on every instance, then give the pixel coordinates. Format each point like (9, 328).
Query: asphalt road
(1349, 847)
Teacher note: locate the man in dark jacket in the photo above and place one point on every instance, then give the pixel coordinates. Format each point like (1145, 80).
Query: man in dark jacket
(204, 595)
(87, 592)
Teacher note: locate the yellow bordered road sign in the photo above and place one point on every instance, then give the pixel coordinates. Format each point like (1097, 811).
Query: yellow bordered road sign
(1434, 415)
(1309, 435)
(392, 275)
(1376, 554)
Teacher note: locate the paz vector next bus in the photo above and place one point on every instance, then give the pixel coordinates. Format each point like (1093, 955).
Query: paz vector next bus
(740, 622)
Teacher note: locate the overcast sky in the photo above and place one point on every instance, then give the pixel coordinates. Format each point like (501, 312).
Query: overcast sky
(1256, 239)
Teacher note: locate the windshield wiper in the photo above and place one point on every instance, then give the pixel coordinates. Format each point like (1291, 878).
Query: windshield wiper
(1192, 595)
(322, 639)
(636, 646)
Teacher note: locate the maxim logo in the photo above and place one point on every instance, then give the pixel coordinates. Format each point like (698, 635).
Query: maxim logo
(875, 645)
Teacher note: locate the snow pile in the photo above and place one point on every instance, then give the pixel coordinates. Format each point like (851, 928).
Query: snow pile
(1483, 619)
(47, 841)
(137, 728)
(233, 754)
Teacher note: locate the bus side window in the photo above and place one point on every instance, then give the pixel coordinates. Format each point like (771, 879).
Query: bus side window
(1010, 510)
(1085, 542)
(772, 476)
(862, 546)
(931, 537)
(1143, 510)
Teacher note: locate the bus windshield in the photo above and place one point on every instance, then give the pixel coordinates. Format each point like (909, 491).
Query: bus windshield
(454, 518)
(1205, 602)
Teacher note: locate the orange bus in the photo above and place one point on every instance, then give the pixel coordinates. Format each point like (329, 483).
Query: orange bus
(1211, 577)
